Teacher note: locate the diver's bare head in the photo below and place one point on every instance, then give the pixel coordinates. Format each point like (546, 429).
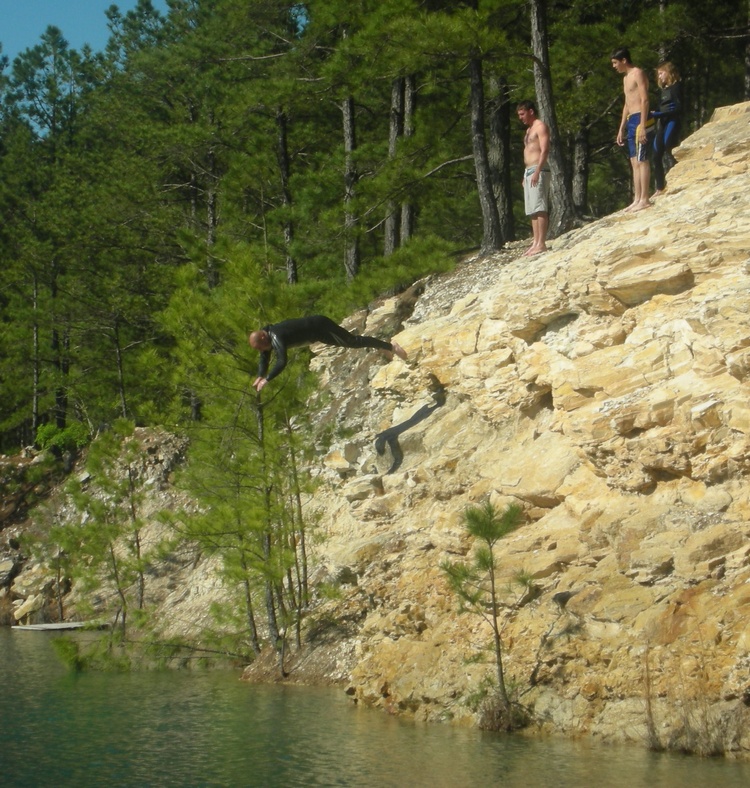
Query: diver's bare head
(260, 340)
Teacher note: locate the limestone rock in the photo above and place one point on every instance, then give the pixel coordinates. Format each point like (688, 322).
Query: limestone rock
(8, 570)
(27, 607)
(605, 387)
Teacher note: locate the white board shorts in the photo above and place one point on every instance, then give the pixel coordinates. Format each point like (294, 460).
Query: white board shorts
(536, 198)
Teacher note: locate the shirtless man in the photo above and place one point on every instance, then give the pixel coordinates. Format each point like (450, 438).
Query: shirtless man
(536, 177)
(304, 331)
(636, 128)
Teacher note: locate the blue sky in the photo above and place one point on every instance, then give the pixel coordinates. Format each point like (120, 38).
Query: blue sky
(22, 22)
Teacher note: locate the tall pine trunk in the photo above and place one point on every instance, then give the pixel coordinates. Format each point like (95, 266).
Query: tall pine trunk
(282, 155)
(499, 153)
(120, 369)
(407, 207)
(267, 535)
(212, 215)
(581, 169)
(351, 239)
(60, 344)
(562, 211)
(492, 239)
(249, 612)
(395, 128)
(35, 396)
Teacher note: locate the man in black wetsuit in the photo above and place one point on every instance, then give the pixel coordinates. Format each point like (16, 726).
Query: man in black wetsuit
(304, 331)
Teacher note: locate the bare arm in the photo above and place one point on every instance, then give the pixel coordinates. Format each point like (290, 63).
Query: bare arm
(261, 380)
(542, 133)
(641, 82)
(623, 121)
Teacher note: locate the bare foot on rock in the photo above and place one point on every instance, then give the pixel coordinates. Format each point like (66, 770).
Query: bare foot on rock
(398, 350)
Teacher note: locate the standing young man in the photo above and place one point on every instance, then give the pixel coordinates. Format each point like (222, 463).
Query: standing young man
(536, 176)
(636, 128)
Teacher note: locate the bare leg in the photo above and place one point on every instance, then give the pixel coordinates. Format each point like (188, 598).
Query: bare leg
(539, 227)
(542, 225)
(397, 349)
(636, 185)
(642, 176)
(330, 333)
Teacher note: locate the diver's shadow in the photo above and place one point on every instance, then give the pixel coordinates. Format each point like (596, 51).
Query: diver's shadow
(389, 437)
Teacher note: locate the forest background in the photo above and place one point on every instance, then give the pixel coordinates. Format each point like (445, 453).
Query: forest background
(236, 162)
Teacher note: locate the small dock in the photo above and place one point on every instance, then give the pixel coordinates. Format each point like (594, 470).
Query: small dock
(62, 625)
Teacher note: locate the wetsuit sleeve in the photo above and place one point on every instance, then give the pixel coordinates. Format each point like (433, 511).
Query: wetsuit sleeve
(671, 105)
(279, 349)
(265, 357)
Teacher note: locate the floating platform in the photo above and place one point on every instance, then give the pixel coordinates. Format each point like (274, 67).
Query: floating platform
(62, 625)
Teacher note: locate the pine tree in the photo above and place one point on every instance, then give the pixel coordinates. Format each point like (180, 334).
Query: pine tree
(476, 584)
(104, 550)
(245, 462)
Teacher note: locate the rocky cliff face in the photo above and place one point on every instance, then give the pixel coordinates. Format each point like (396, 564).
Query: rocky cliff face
(605, 387)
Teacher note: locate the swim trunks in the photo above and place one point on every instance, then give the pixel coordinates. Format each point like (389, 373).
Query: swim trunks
(638, 150)
(536, 198)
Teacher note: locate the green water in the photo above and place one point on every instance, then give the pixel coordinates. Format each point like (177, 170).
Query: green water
(209, 729)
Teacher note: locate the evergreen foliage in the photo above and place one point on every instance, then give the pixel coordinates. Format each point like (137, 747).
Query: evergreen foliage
(235, 162)
(247, 456)
(104, 550)
(217, 132)
(71, 439)
(475, 585)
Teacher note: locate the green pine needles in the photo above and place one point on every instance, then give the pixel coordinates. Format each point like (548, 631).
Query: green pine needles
(475, 585)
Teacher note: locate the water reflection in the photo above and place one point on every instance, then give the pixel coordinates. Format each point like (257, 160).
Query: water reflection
(209, 729)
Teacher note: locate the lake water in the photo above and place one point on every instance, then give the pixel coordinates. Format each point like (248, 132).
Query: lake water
(209, 729)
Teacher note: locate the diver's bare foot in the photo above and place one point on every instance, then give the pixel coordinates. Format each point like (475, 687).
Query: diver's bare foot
(631, 207)
(398, 350)
(642, 206)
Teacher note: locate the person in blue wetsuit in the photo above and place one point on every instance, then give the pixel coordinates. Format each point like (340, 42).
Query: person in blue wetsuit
(298, 331)
(668, 118)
